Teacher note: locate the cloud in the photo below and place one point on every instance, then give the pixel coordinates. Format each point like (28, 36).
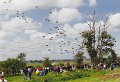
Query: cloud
(74, 31)
(69, 3)
(114, 21)
(12, 37)
(3, 44)
(15, 25)
(18, 35)
(39, 36)
(35, 45)
(92, 3)
(2, 34)
(81, 27)
(12, 6)
(65, 15)
(70, 31)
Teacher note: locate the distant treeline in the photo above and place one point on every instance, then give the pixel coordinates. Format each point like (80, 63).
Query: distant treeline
(40, 61)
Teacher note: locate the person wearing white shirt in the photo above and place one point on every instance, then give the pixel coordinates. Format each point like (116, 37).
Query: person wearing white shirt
(2, 79)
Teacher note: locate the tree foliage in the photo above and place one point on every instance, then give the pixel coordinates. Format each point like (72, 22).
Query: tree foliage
(13, 63)
(21, 56)
(12, 66)
(98, 42)
(46, 62)
(79, 58)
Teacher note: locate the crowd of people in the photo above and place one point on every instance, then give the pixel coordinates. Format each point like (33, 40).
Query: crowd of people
(104, 66)
(42, 71)
(27, 73)
(59, 69)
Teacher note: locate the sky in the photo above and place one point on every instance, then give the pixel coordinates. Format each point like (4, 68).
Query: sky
(50, 28)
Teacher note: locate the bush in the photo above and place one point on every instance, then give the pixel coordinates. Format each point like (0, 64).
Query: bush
(12, 66)
(73, 76)
(54, 77)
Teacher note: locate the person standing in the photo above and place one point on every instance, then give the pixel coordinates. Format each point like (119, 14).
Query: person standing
(112, 66)
(2, 79)
(42, 72)
(29, 72)
(37, 72)
(25, 71)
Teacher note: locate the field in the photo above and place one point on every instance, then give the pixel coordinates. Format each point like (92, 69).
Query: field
(74, 76)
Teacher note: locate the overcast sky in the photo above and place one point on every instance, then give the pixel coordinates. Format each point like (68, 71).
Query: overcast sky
(50, 28)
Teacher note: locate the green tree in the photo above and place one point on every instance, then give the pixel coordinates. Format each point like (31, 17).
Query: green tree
(96, 39)
(79, 58)
(21, 56)
(13, 64)
(106, 46)
(46, 62)
(89, 43)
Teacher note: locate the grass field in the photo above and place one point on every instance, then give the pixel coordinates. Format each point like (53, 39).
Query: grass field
(90, 76)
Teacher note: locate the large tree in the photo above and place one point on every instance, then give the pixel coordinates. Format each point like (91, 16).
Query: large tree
(98, 42)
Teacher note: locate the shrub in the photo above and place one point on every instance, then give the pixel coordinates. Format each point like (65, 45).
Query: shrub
(54, 77)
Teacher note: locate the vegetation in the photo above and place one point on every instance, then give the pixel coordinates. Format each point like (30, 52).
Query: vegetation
(74, 76)
(21, 57)
(46, 62)
(97, 41)
(79, 58)
(12, 66)
(99, 45)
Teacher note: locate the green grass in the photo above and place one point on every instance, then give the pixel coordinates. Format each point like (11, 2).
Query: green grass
(91, 79)
(88, 79)
(75, 76)
(21, 79)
